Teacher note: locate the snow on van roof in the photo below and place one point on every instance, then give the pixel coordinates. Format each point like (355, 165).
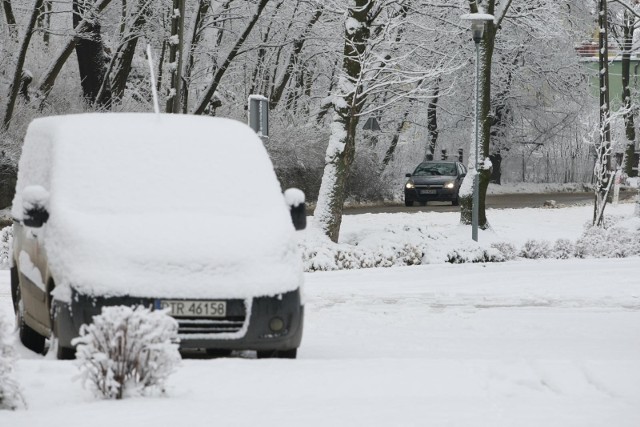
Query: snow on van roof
(118, 182)
(138, 161)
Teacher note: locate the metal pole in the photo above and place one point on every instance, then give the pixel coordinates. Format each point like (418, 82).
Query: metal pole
(476, 178)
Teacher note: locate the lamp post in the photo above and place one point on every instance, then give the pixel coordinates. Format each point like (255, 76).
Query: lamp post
(478, 21)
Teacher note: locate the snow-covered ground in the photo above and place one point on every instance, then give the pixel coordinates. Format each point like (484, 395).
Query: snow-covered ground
(527, 343)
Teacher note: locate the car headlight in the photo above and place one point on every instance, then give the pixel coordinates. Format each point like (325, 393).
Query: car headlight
(409, 184)
(449, 185)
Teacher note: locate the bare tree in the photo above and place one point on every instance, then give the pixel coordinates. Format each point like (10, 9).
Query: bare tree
(10, 18)
(85, 25)
(176, 43)
(347, 106)
(14, 89)
(294, 56)
(602, 169)
(222, 68)
(623, 24)
(130, 32)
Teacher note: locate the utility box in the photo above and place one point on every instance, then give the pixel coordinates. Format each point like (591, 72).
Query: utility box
(259, 115)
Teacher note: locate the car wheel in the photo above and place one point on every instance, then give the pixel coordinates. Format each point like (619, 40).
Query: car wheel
(408, 202)
(29, 338)
(278, 354)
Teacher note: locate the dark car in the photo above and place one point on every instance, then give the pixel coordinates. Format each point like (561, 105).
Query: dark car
(434, 181)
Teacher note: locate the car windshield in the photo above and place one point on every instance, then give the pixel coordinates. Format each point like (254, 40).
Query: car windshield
(446, 169)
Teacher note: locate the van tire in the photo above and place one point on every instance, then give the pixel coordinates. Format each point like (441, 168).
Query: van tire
(29, 337)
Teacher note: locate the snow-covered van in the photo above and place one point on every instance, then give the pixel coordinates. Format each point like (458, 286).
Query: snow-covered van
(177, 212)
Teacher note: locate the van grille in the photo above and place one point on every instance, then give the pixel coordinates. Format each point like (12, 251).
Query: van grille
(198, 325)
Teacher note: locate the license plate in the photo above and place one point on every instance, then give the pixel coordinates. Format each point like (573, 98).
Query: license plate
(195, 308)
(428, 191)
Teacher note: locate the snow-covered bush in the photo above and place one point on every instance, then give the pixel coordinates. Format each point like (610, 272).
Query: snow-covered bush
(619, 239)
(10, 396)
(127, 351)
(347, 257)
(563, 249)
(6, 236)
(508, 250)
(477, 254)
(535, 249)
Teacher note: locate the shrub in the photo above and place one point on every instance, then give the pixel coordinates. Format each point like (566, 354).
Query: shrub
(6, 236)
(563, 249)
(535, 249)
(614, 242)
(508, 251)
(474, 255)
(127, 351)
(10, 395)
(348, 257)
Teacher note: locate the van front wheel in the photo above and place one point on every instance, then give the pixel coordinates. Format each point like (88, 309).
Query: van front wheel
(29, 338)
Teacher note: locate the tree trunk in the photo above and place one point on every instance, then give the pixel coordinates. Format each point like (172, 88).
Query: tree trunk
(432, 122)
(325, 107)
(163, 52)
(14, 89)
(628, 29)
(396, 137)
(44, 21)
(342, 147)
(10, 18)
(51, 74)
(221, 70)
(126, 50)
(196, 36)
(91, 53)
(176, 42)
(601, 169)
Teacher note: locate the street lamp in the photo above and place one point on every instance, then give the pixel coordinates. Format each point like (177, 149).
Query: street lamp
(478, 21)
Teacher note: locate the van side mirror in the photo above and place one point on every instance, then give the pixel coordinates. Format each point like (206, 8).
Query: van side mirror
(34, 206)
(408, 175)
(295, 199)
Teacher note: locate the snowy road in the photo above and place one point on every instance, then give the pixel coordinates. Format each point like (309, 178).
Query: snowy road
(527, 343)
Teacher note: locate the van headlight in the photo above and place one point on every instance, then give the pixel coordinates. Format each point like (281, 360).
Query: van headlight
(409, 184)
(449, 185)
